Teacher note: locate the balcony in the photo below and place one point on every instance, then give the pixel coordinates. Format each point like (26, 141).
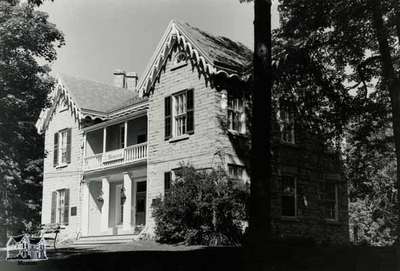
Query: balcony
(118, 144)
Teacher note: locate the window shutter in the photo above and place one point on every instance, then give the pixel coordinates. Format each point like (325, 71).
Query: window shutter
(55, 152)
(167, 180)
(69, 145)
(53, 207)
(190, 111)
(66, 207)
(168, 117)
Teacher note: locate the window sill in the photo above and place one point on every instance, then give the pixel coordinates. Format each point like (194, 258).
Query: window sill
(62, 166)
(177, 66)
(178, 138)
(290, 218)
(332, 221)
(289, 144)
(236, 133)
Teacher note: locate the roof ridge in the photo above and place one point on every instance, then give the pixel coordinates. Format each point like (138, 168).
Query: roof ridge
(93, 81)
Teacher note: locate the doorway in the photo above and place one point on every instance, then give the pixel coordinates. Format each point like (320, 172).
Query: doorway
(140, 216)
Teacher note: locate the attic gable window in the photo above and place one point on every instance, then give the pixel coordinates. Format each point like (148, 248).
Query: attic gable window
(63, 105)
(179, 60)
(236, 114)
(286, 123)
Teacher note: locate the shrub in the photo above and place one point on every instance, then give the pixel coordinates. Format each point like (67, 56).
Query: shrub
(201, 208)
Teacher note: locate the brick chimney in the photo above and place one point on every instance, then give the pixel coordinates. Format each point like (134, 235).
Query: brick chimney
(119, 78)
(131, 79)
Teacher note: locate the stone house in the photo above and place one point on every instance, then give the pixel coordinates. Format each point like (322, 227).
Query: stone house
(112, 150)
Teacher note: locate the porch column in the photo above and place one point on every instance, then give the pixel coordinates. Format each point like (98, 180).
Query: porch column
(126, 134)
(105, 187)
(104, 139)
(85, 209)
(127, 218)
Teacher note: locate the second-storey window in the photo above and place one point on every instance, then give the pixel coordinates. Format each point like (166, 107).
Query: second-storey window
(180, 111)
(286, 121)
(179, 114)
(62, 147)
(236, 114)
(289, 196)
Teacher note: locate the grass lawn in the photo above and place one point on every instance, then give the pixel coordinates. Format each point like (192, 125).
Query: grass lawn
(145, 255)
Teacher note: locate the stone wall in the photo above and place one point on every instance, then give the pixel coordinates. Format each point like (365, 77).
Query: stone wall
(63, 177)
(198, 149)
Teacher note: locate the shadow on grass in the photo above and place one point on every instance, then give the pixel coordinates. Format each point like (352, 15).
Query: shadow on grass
(282, 257)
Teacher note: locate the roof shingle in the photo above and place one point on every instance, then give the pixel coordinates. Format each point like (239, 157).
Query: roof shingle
(99, 97)
(220, 50)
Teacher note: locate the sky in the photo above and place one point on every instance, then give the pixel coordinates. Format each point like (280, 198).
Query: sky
(105, 35)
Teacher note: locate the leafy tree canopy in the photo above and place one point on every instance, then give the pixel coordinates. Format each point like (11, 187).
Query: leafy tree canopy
(27, 39)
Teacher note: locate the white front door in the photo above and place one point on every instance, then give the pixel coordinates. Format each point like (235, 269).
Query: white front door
(119, 206)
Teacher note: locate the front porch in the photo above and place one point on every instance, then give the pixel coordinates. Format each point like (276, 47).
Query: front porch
(114, 205)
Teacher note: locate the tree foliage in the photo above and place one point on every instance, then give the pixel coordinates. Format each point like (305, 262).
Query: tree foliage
(201, 208)
(356, 43)
(27, 39)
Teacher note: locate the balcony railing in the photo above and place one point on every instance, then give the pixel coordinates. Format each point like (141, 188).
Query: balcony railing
(116, 157)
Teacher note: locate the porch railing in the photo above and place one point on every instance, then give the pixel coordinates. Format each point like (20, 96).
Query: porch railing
(116, 157)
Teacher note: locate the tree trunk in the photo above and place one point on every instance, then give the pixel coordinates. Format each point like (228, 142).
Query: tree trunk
(261, 137)
(393, 84)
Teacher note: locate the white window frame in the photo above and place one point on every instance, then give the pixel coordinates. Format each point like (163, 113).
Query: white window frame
(179, 114)
(62, 150)
(235, 175)
(295, 196)
(60, 207)
(63, 106)
(236, 109)
(286, 122)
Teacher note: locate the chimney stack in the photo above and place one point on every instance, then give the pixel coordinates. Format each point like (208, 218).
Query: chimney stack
(119, 78)
(131, 79)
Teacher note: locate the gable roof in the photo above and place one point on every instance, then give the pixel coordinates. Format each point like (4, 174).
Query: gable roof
(212, 54)
(88, 99)
(98, 97)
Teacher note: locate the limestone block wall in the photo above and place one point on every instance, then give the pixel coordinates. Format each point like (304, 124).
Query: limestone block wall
(65, 177)
(198, 149)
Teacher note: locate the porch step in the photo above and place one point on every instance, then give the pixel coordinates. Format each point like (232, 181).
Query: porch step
(104, 239)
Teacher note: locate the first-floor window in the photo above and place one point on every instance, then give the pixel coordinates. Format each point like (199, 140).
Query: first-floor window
(167, 181)
(60, 207)
(330, 204)
(235, 171)
(288, 196)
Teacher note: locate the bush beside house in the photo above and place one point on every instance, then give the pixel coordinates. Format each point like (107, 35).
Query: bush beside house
(201, 208)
